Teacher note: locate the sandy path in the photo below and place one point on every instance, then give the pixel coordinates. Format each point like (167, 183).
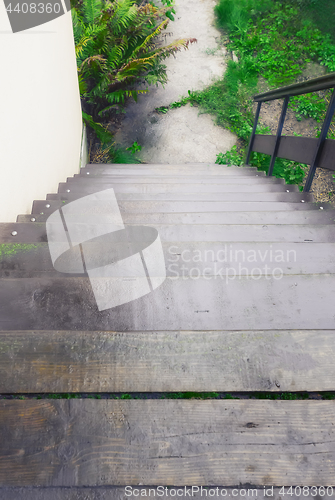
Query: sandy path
(181, 135)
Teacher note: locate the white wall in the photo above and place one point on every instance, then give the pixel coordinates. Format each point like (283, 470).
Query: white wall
(40, 113)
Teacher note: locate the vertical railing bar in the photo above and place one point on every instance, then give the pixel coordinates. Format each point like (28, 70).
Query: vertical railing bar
(252, 138)
(278, 136)
(321, 141)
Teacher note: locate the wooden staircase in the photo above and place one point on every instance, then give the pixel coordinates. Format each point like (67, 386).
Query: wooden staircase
(247, 305)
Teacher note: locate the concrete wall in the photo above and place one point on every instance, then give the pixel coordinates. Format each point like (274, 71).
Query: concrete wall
(40, 117)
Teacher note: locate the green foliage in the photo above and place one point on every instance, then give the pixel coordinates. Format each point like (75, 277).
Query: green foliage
(134, 148)
(190, 395)
(9, 249)
(274, 41)
(101, 132)
(231, 157)
(116, 46)
(308, 106)
(292, 172)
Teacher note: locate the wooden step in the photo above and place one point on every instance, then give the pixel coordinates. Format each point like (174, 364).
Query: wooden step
(185, 179)
(51, 205)
(159, 166)
(164, 493)
(165, 169)
(300, 233)
(194, 188)
(318, 216)
(166, 361)
(194, 206)
(28, 260)
(230, 301)
(39, 205)
(166, 442)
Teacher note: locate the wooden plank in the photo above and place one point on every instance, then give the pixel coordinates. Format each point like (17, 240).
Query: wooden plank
(218, 170)
(301, 149)
(202, 206)
(317, 216)
(197, 303)
(166, 442)
(51, 205)
(264, 144)
(299, 233)
(198, 188)
(164, 492)
(328, 155)
(256, 180)
(237, 361)
(28, 261)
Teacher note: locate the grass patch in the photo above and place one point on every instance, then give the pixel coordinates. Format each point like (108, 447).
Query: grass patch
(10, 249)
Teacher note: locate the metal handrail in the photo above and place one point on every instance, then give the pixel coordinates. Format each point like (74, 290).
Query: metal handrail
(323, 149)
(313, 85)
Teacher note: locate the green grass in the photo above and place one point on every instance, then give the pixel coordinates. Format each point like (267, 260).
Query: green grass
(10, 249)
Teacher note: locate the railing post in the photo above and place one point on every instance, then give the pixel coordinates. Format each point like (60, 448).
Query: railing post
(321, 141)
(252, 138)
(278, 136)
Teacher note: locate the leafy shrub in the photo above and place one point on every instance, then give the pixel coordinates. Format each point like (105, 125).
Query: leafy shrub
(116, 47)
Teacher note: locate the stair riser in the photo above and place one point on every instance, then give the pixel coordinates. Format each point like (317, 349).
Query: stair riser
(292, 302)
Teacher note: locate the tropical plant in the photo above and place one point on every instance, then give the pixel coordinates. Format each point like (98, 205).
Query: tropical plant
(116, 46)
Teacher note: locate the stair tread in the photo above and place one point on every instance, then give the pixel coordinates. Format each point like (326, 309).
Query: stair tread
(238, 303)
(166, 442)
(85, 181)
(324, 216)
(190, 232)
(219, 361)
(193, 188)
(41, 205)
(144, 206)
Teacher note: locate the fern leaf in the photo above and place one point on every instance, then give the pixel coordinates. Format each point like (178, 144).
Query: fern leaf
(91, 10)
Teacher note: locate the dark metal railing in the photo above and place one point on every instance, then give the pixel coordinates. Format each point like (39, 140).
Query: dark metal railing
(315, 152)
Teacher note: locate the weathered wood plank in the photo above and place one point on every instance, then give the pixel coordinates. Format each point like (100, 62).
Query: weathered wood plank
(166, 170)
(164, 492)
(51, 205)
(229, 302)
(299, 233)
(200, 206)
(210, 258)
(164, 442)
(201, 179)
(301, 149)
(325, 216)
(56, 362)
(203, 187)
